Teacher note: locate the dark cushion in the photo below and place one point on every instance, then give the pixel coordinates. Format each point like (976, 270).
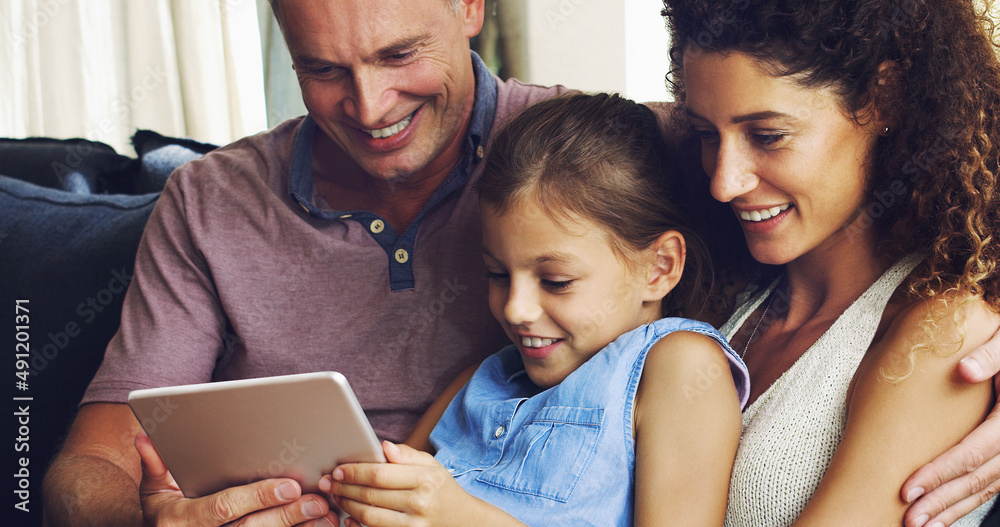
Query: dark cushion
(69, 257)
(73, 165)
(159, 155)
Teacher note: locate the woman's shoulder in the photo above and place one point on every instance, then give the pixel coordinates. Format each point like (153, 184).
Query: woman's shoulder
(932, 332)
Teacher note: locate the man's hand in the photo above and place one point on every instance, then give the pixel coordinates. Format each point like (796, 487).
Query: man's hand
(271, 502)
(968, 474)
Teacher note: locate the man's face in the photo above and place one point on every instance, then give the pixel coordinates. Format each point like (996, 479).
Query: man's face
(391, 82)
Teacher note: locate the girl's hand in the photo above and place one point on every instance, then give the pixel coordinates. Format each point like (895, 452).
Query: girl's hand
(412, 489)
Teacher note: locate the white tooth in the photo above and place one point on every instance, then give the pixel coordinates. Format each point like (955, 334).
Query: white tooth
(526, 342)
(392, 130)
(744, 215)
(755, 216)
(775, 211)
(536, 342)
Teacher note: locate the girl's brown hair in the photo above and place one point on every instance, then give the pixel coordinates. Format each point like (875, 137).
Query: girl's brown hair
(929, 69)
(600, 157)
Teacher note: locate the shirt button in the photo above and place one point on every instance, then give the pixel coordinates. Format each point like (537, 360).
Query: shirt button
(499, 431)
(377, 226)
(402, 256)
(480, 152)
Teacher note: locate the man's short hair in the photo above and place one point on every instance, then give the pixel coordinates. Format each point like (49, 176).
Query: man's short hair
(456, 7)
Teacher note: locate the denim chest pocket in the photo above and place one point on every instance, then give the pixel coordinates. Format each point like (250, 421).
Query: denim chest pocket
(549, 454)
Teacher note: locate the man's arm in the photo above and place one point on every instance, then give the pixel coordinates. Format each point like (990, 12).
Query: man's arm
(94, 480)
(98, 479)
(968, 474)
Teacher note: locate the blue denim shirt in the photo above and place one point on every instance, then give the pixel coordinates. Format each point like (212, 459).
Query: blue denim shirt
(564, 455)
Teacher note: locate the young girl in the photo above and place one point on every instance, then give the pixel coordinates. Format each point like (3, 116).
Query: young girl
(601, 412)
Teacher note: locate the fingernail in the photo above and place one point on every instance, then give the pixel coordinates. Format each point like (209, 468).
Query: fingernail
(937, 524)
(922, 519)
(324, 522)
(338, 474)
(973, 367)
(325, 484)
(286, 491)
(915, 493)
(311, 509)
(392, 446)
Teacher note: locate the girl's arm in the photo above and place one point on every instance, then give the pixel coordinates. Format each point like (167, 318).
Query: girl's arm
(895, 427)
(419, 439)
(412, 489)
(687, 428)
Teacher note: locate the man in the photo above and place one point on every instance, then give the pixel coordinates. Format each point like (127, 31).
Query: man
(348, 240)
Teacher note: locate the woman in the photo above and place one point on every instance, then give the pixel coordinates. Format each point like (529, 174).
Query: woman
(855, 143)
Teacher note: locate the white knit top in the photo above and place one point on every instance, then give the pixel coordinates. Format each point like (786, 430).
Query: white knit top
(791, 431)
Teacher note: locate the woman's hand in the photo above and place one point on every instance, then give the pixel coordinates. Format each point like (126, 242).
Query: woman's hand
(413, 489)
(968, 474)
(270, 502)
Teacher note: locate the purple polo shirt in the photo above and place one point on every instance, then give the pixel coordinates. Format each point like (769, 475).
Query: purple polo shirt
(242, 273)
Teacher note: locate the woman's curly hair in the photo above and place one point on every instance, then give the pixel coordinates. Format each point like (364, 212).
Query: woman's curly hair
(929, 68)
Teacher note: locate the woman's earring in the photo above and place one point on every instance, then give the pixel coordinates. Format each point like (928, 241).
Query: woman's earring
(885, 130)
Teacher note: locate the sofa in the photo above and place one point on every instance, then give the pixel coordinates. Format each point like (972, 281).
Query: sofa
(71, 216)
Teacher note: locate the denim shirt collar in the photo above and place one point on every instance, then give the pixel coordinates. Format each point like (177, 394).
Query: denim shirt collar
(480, 124)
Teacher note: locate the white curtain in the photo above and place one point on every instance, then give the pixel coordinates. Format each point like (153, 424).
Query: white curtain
(100, 69)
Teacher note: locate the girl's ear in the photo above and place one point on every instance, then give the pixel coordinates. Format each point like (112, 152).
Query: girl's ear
(667, 267)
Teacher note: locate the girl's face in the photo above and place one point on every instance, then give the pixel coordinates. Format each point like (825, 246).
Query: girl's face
(558, 289)
(787, 158)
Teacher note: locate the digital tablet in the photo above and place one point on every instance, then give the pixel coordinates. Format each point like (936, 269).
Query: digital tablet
(218, 435)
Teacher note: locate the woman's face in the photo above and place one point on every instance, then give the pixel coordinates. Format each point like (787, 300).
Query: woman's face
(787, 158)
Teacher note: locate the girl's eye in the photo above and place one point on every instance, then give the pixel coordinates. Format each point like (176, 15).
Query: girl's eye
(556, 285)
(497, 278)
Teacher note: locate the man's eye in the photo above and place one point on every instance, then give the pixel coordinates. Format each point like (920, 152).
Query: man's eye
(769, 139)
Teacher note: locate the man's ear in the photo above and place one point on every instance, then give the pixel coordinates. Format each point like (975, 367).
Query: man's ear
(472, 13)
(668, 253)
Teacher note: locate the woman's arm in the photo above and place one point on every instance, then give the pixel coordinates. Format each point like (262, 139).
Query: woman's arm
(968, 474)
(893, 427)
(687, 429)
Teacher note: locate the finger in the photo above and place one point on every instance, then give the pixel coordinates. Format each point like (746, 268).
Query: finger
(973, 452)
(364, 515)
(381, 475)
(234, 503)
(981, 363)
(308, 508)
(952, 514)
(155, 477)
(406, 455)
(956, 498)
